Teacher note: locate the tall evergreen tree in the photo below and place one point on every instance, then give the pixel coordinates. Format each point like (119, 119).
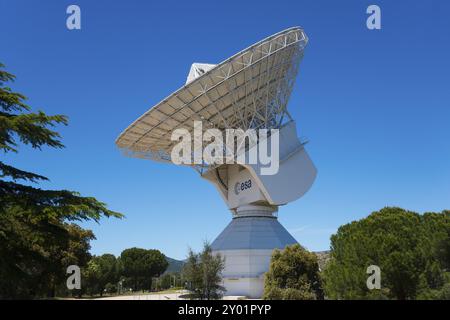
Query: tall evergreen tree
(36, 230)
(203, 274)
(409, 248)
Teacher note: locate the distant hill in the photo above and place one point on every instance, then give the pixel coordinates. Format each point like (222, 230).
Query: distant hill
(174, 265)
(323, 257)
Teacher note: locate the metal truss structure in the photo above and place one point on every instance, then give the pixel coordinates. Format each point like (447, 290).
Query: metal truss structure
(250, 90)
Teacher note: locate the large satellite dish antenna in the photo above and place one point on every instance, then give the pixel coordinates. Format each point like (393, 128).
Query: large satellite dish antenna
(250, 90)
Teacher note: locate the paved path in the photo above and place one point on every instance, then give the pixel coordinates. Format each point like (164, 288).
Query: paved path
(158, 296)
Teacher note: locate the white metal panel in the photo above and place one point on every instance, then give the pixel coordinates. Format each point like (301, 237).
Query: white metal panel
(253, 233)
(252, 288)
(197, 70)
(242, 187)
(244, 271)
(296, 172)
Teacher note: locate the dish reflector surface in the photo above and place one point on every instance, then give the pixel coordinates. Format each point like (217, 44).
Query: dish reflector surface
(249, 90)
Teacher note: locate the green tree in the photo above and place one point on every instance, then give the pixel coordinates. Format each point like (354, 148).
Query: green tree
(169, 280)
(100, 275)
(293, 275)
(36, 226)
(141, 265)
(36, 252)
(202, 272)
(90, 279)
(101, 272)
(76, 252)
(404, 244)
(108, 272)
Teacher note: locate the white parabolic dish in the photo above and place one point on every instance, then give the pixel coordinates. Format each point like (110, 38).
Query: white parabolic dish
(249, 90)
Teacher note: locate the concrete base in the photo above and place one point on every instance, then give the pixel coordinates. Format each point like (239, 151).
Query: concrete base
(252, 288)
(244, 271)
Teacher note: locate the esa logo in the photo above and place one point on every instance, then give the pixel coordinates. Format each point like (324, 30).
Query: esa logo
(241, 186)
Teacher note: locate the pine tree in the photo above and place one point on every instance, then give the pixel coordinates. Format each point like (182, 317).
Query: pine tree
(36, 229)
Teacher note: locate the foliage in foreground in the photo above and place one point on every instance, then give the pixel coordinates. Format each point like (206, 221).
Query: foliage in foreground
(412, 251)
(202, 272)
(101, 275)
(38, 238)
(293, 275)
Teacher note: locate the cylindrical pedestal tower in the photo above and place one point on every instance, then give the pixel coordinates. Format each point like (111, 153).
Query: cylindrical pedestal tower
(247, 244)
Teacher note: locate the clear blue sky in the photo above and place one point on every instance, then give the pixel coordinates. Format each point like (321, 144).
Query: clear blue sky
(375, 106)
